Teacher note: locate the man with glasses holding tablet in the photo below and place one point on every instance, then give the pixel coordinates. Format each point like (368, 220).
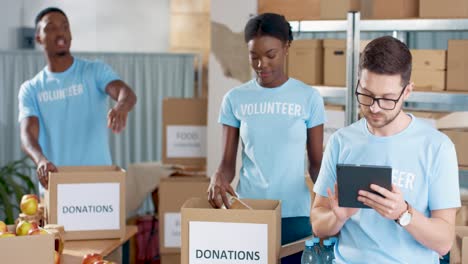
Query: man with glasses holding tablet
(413, 222)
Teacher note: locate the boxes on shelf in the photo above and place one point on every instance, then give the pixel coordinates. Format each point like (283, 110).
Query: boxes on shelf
(427, 59)
(429, 69)
(457, 65)
(338, 9)
(40, 248)
(455, 126)
(291, 9)
(89, 201)
(459, 137)
(335, 61)
(384, 9)
(184, 131)
(443, 9)
(173, 192)
(253, 235)
(305, 60)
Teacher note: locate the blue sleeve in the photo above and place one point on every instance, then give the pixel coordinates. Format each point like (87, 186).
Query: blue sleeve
(104, 75)
(327, 175)
(226, 113)
(444, 190)
(317, 111)
(27, 104)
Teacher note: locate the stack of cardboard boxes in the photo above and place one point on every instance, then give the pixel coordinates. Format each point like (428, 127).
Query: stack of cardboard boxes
(455, 126)
(319, 62)
(184, 147)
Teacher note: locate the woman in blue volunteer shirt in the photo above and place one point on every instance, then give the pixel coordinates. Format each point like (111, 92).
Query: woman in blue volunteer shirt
(277, 118)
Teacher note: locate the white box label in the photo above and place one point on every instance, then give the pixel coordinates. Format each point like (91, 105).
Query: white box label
(172, 230)
(88, 206)
(186, 141)
(223, 243)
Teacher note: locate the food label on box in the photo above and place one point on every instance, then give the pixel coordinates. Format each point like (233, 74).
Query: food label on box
(172, 230)
(186, 141)
(88, 206)
(222, 243)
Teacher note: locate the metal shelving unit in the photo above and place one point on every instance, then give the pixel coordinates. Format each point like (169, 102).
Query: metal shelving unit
(423, 101)
(417, 24)
(429, 101)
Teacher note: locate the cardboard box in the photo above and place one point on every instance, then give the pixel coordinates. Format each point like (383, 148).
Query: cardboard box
(27, 249)
(170, 258)
(184, 131)
(462, 216)
(429, 69)
(427, 59)
(291, 9)
(248, 234)
(428, 80)
(384, 9)
(459, 251)
(457, 65)
(460, 139)
(305, 60)
(89, 201)
(335, 61)
(455, 126)
(338, 9)
(173, 192)
(443, 9)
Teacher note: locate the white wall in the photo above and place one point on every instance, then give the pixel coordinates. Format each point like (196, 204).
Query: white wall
(10, 20)
(233, 14)
(96, 25)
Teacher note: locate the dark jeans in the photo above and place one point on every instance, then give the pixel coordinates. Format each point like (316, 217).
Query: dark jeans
(292, 229)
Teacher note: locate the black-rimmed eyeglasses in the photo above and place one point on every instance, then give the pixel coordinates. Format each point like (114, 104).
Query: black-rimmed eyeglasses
(384, 103)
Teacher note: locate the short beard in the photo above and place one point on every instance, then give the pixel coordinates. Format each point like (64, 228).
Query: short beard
(386, 122)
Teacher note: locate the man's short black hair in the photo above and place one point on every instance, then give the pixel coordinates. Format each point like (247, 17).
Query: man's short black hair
(46, 11)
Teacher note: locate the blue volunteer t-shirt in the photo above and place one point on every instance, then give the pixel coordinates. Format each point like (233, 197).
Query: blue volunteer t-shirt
(273, 125)
(72, 110)
(424, 167)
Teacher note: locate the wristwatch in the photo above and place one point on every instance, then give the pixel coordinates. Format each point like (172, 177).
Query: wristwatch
(406, 216)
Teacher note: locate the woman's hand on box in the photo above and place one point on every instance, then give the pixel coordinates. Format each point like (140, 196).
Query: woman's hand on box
(218, 190)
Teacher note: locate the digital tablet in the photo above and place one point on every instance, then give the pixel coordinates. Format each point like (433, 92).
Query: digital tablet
(352, 178)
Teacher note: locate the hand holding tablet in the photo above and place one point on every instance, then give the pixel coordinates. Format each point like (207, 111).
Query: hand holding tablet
(352, 178)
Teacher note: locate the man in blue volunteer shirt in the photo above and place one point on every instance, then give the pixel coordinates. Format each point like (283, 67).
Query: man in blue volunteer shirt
(62, 110)
(414, 222)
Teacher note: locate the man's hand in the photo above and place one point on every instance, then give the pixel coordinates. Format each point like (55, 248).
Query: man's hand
(116, 119)
(341, 213)
(43, 168)
(217, 191)
(391, 206)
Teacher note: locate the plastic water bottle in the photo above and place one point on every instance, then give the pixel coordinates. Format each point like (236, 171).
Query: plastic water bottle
(309, 255)
(327, 253)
